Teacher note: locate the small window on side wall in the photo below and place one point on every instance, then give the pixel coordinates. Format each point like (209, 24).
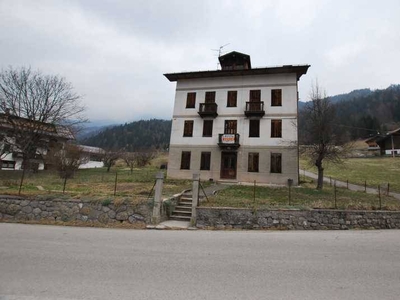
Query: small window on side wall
(276, 163)
(191, 100)
(185, 160)
(205, 161)
(276, 97)
(232, 99)
(188, 129)
(276, 128)
(253, 162)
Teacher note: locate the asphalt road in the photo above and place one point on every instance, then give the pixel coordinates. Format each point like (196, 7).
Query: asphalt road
(51, 262)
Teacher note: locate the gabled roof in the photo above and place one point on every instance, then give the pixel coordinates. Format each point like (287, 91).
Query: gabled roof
(235, 57)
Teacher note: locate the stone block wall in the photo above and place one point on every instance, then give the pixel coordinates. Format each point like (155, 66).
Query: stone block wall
(101, 213)
(230, 218)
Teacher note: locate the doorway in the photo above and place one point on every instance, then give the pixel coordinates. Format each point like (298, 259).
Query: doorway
(228, 165)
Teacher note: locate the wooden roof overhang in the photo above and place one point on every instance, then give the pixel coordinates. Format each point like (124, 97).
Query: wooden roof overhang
(299, 70)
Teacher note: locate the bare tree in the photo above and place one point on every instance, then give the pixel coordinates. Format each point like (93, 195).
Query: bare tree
(130, 160)
(66, 160)
(110, 157)
(35, 110)
(319, 134)
(138, 159)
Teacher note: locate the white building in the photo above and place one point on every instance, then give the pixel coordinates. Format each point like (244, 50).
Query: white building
(236, 124)
(94, 157)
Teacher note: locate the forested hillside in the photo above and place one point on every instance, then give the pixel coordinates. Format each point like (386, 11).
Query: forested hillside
(144, 134)
(364, 112)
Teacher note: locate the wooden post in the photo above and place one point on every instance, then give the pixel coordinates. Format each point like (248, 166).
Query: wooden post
(365, 186)
(388, 189)
(347, 183)
(380, 200)
(115, 185)
(334, 192)
(254, 192)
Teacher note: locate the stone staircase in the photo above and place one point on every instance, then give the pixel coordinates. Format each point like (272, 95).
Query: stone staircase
(183, 211)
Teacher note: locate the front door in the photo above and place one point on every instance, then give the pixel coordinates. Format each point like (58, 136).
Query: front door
(228, 165)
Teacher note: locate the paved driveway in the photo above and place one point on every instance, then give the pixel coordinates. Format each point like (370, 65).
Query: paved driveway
(50, 262)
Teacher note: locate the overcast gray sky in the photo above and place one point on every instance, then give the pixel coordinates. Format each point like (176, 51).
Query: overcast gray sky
(115, 52)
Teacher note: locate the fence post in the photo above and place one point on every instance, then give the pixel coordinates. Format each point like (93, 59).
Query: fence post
(254, 192)
(365, 186)
(330, 180)
(347, 183)
(115, 185)
(157, 198)
(380, 200)
(334, 192)
(388, 189)
(195, 198)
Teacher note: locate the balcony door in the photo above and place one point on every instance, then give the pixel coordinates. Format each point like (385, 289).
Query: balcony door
(228, 165)
(255, 100)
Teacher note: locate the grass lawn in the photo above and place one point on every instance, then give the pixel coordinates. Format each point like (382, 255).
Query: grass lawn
(92, 183)
(304, 197)
(376, 171)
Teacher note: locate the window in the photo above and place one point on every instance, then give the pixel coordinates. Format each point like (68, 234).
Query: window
(253, 162)
(276, 97)
(210, 97)
(207, 128)
(276, 128)
(188, 128)
(255, 95)
(191, 100)
(7, 164)
(276, 163)
(254, 128)
(205, 160)
(230, 126)
(185, 160)
(232, 99)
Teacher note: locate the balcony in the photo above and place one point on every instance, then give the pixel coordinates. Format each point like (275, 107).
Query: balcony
(208, 110)
(254, 109)
(228, 141)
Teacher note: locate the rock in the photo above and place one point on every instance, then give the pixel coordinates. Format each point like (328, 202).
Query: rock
(36, 211)
(122, 216)
(103, 218)
(111, 214)
(24, 203)
(85, 210)
(26, 209)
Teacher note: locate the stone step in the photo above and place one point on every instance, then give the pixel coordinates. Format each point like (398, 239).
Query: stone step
(186, 199)
(180, 218)
(181, 212)
(183, 207)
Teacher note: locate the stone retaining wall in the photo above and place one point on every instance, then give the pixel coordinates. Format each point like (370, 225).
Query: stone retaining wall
(228, 218)
(86, 211)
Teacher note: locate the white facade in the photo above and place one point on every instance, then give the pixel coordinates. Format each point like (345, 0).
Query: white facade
(236, 163)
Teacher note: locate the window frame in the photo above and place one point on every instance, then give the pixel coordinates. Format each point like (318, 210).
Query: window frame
(205, 161)
(231, 99)
(188, 129)
(185, 160)
(210, 127)
(227, 129)
(253, 162)
(276, 101)
(276, 168)
(255, 133)
(276, 132)
(191, 97)
(255, 96)
(209, 97)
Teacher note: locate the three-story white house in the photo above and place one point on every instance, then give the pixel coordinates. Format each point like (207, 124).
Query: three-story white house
(236, 124)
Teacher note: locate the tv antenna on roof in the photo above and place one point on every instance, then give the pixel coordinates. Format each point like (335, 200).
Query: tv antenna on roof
(219, 50)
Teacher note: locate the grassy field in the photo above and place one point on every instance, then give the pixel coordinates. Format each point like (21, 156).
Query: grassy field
(304, 197)
(91, 183)
(376, 171)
